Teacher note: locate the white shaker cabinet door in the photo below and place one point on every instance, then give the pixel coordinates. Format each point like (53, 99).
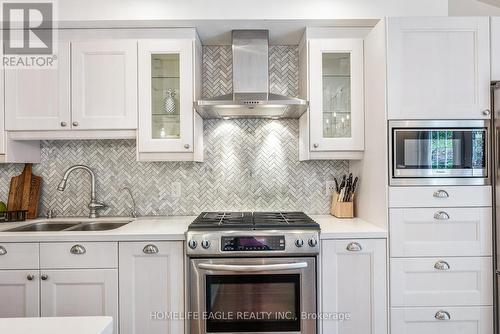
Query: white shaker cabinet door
(353, 282)
(151, 280)
(104, 85)
(80, 292)
(39, 99)
(451, 281)
(438, 68)
(495, 49)
(442, 320)
(19, 293)
(440, 232)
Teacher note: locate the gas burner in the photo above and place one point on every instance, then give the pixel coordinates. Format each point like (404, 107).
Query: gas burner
(225, 234)
(253, 221)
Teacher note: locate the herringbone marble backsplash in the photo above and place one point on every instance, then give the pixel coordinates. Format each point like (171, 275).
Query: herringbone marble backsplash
(249, 164)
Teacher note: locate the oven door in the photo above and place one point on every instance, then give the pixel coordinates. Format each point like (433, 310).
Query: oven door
(439, 152)
(253, 295)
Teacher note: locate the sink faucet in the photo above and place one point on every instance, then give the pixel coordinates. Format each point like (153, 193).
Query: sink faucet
(93, 205)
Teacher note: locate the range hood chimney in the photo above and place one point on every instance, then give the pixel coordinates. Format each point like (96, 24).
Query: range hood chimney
(251, 97)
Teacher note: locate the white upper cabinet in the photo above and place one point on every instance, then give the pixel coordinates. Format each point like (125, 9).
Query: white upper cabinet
(104, 84)
(438, 68)
(336, 94)
(495, 49)
(331, 74)
(38, 99)
(167, 121)
(353, 282)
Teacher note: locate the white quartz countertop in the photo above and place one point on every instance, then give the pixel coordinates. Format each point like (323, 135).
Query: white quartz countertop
(57, 325)
(173, 228)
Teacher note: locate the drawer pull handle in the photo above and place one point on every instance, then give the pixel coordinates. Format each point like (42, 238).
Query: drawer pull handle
(3, 251)
(441, 194)
(150, 249)
(442, 315)
(30, 277)
(44, 277)
(442, 265)
(354, 247)
(441, 215)
(78, 250)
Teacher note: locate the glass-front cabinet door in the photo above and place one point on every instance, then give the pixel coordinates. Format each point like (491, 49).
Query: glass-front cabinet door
(336, 95)
(166, 96)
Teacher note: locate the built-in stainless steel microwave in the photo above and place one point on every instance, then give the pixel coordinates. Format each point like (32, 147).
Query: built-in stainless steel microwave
(439, 152)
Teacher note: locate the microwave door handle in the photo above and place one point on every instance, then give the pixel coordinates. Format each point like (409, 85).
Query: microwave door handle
(252, 268)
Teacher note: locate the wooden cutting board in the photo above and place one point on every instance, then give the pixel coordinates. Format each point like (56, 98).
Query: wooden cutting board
(24, 193)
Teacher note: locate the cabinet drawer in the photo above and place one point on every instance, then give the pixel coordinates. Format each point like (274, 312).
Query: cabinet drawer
(79, 255)
(440, 232)
(19, 255)
(434, 197)
(463, 320)
(457, 281)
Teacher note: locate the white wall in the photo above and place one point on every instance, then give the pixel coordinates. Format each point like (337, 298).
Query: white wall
(96, 10)
(472, 8)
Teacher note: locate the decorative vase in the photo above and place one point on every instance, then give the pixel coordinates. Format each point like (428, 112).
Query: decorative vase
(169, 102)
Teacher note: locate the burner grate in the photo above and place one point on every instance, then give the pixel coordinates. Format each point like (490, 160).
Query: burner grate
(253, 221)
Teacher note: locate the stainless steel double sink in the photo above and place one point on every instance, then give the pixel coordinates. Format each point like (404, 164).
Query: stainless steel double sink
(68, 226)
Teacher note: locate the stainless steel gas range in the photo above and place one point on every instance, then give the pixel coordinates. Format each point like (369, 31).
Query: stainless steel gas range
(253, 272)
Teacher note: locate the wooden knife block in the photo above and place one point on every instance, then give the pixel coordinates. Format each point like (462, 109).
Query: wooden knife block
(342, 209)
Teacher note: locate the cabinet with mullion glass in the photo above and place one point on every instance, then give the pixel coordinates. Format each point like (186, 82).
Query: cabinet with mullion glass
(169, 128)
(332, 75)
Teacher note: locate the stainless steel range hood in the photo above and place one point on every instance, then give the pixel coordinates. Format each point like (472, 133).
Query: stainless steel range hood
(251, 97)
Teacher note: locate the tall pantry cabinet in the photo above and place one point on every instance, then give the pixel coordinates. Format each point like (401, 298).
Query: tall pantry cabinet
(441, 278)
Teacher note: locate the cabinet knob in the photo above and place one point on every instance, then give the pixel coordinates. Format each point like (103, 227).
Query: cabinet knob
(441, 194)
(441, 215)
(150, 249)
(315, 145)
(78, 250)
(442, 265)
(486, 112)
(44, 277)
(354, 247)
(75, 123)
(3, 251)
(63, 124)
(30, 277)
(442, 315)
(186, 146)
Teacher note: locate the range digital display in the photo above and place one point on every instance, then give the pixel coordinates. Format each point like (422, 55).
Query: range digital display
(253, 243)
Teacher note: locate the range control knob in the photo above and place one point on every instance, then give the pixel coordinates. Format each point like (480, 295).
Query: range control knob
(205, 244)
(192, 244)
(299, 242)
(313, 242)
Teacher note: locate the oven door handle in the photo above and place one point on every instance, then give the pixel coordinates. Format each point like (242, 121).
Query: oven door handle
(252, 268)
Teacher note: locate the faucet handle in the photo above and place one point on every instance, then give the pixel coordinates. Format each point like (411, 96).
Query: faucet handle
(93, 207)
(97, 205)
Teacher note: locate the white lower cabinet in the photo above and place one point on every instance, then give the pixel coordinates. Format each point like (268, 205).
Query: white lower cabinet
(452, 281)
(19, 293)
(442, 320)
(353, 284)
(440, 232)
(80, 292)
(151, 282)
